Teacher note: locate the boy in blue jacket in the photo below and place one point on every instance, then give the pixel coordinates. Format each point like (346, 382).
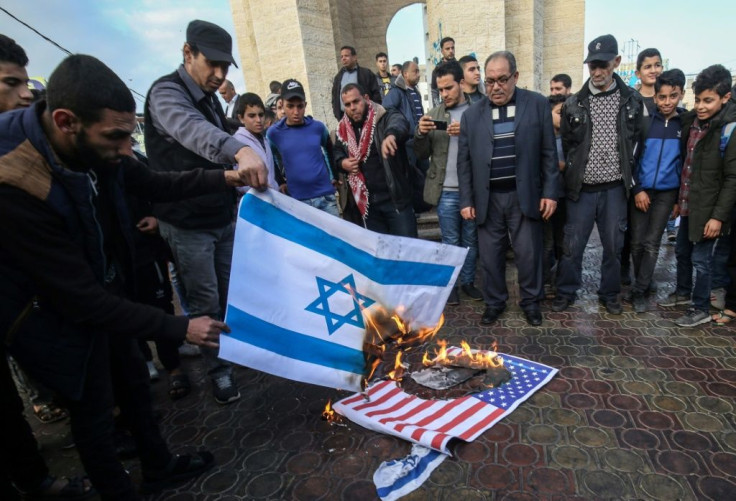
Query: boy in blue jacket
(656, 181)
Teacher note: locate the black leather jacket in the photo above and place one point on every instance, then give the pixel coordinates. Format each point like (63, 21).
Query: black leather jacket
(576, 130)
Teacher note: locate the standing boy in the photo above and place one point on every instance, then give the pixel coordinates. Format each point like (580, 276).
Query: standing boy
(656, 181)
(251, 112)
(648, 68)
(707, 190)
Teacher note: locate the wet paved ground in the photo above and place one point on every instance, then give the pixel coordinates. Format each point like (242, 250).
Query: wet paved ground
(640, 409)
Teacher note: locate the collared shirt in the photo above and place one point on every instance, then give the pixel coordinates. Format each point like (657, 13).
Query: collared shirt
(175, 115)
(230, 108)
(697, 132)
(348, 76)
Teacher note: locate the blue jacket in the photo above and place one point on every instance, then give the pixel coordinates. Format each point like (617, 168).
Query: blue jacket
(398, 99)
(659, 164)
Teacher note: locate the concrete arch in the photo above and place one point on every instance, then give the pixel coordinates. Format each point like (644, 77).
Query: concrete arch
(300, 39)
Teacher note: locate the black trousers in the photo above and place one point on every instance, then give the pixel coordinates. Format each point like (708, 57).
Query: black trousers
(20, 462)
(117, 359)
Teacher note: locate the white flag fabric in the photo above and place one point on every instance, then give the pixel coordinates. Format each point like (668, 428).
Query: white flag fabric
(300, 279)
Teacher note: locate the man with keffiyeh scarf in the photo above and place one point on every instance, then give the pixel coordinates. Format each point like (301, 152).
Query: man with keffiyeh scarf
(370, 152)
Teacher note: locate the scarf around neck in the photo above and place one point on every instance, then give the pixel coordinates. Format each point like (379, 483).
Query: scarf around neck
(358, 148)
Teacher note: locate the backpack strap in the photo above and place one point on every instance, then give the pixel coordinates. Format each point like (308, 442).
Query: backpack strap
(726, 132)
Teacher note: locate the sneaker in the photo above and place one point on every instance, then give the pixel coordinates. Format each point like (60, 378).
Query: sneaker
(672, 236)
(189, 350)
(675, 299)
(472, 292)
(224, 389)
(152, 371)
(693, 317)
(453, 299)
(718, 298)
(639, 302)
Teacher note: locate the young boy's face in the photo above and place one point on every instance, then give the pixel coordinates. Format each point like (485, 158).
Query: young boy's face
(708, 103)
(294, 111)
(667, 99)
(252, 119)
(650, 69)
(556, 115)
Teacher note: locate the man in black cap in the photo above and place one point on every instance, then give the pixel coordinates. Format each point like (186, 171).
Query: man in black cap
(186, 129)
(600, 127)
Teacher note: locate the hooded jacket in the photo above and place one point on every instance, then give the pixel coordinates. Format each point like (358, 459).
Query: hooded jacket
(660, 164)
(55, 256)
(713, 180)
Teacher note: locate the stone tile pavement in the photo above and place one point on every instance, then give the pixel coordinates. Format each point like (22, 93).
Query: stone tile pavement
(640, 409)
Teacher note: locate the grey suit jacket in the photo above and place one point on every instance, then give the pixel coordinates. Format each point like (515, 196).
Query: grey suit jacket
(537, 172)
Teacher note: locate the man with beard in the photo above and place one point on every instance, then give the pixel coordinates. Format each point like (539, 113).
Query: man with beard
(66, 264)
(370, 148)
(187, 129)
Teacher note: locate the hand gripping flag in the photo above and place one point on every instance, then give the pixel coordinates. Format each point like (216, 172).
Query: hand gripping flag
(301, 278)
(433, 423)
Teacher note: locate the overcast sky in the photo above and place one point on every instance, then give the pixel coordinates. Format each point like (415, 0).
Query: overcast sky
(141, 39)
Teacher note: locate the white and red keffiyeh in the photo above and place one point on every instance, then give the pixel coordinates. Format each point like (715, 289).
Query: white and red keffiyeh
(358, 148)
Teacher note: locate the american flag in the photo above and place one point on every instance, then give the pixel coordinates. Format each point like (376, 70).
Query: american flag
(433, 423)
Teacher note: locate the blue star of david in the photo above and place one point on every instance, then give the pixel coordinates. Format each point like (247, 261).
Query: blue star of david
(321, 306)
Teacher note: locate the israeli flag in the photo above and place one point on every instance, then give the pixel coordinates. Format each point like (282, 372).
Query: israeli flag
(397, 478)
(301, 278)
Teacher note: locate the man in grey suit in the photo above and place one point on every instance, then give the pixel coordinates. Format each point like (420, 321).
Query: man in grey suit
(508, 177)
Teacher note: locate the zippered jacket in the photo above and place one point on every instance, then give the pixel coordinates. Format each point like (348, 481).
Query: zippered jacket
(660, 163)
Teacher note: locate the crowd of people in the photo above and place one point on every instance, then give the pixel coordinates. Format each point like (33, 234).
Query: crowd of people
(94, 234)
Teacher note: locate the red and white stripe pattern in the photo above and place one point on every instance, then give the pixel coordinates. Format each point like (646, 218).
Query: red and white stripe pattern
(433, 423)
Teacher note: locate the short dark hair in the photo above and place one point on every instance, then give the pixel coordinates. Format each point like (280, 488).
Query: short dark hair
(274, 87)
(673, 78)
(445, 40)
(651, 52)
(563, 78)
(351, 86)
(86, 86)
(348, 47)
(508, 56)
(11, 52)
(397, 65)
(467, 59)
(555, 99)
(449, 68)
(381, 54)
(248, 99)
(407, 65)
(716, 78)
(269, 115)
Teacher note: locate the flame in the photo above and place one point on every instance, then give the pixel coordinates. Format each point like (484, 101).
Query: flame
(478, 359)
(398, 373)
(329, 414)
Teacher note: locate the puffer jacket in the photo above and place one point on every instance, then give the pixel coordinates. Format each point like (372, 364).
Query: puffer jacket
(713, 179)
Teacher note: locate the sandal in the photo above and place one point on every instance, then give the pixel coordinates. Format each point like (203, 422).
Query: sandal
(179, 386)
(723, 318)
(50, 413)
(179, 469)
(76, 488)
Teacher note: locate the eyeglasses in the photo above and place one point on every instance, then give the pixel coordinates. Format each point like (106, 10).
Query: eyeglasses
(490, 82)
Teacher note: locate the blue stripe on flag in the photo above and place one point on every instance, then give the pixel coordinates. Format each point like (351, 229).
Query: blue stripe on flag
(257, 332)
(411, 476)
(383, 271)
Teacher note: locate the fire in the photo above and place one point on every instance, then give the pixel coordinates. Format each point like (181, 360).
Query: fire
(329, 414)
(476, 359)
(398, 373)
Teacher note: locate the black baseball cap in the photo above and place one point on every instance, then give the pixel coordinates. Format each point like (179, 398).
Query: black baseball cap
(292, 88)
(603, 48)
(214, 42)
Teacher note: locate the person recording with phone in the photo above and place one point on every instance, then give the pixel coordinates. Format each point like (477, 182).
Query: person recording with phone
(437, 137)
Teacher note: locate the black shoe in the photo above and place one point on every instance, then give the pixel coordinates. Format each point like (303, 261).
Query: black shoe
(561, 303)
(652, 289)
(627, 297)
(490, 315)
(472, 292)
(613, 306)
(640, 302)
(179, 469)
(533, 316)
(454, 298)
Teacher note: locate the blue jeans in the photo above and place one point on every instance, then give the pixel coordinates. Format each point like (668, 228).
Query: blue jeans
(698, 255)
(458, 231)
(203, 259)
(327, 203)
(721, 251)
(606, 209)
(384, 218)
